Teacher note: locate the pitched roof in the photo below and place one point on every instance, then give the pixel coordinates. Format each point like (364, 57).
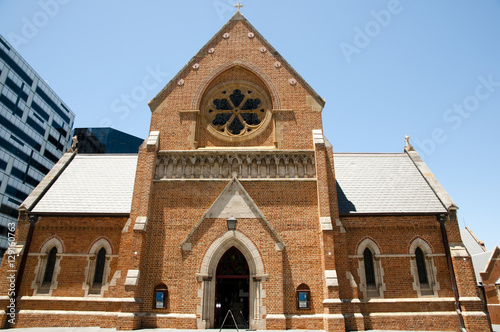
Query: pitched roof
(471, 243)
(92, 184)
(382, 183)
(480, 263)
(366, 183)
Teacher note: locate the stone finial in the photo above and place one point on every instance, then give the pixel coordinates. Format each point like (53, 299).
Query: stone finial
(408, 146)
(73, 144)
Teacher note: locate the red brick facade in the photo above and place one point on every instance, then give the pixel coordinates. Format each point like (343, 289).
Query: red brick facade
(491, 281)
(289, 228)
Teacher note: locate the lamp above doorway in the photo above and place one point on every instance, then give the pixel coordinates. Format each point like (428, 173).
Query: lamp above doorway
(231, 223)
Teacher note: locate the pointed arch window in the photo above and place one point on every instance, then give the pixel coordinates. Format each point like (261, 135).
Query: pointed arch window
(423, 269)
(98, 269)
(99, 266)
(100, 263)
(49, 268)
(370, 269)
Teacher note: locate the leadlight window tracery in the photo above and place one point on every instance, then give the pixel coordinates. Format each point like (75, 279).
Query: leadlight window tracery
(237, 110)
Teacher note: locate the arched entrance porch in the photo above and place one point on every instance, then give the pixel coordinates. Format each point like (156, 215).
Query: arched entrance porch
(208, 276)
(232, 290)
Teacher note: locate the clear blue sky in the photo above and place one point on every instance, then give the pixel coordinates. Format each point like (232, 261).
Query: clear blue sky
(429, 69)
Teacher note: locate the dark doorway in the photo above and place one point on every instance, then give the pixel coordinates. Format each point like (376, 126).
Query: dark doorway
(232, 290)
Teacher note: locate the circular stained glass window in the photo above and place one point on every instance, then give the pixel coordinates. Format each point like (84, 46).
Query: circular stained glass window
(237, 111)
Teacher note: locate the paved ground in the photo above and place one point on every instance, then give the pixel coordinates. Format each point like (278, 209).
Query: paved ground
(496, 328)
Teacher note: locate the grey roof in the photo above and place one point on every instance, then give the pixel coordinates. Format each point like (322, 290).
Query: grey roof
(366, 183)
(480, 262)
(382, 183)
(92, 184)
(470, 242)
(479, 257)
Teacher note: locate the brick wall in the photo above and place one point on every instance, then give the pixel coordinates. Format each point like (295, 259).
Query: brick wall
(492, 291)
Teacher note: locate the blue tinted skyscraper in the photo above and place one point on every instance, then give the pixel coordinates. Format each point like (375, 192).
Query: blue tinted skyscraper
(35, 127)
(106, 140)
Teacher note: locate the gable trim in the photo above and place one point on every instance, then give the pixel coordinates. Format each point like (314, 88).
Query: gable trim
(431, 180)
(158, 99)
(41, 189)
(186, 245)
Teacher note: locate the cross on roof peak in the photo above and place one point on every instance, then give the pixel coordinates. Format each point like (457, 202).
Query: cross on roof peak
(238, 6)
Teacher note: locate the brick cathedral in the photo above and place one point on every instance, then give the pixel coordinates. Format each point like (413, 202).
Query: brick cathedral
(236, 211)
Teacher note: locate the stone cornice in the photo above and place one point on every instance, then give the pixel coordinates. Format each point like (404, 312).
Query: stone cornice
(244, 164)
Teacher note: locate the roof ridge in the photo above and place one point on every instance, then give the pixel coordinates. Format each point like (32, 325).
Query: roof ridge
(431, 180)
(41, 189)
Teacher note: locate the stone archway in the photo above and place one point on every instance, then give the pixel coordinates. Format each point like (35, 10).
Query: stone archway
(208, 278)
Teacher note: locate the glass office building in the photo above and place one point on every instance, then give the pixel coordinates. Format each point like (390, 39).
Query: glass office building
(35, 128)
(106, 140)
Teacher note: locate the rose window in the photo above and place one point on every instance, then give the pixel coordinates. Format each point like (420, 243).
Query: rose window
(237, 111)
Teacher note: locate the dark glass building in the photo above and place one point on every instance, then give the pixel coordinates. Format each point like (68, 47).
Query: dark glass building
(106, 140)
(35, 128)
